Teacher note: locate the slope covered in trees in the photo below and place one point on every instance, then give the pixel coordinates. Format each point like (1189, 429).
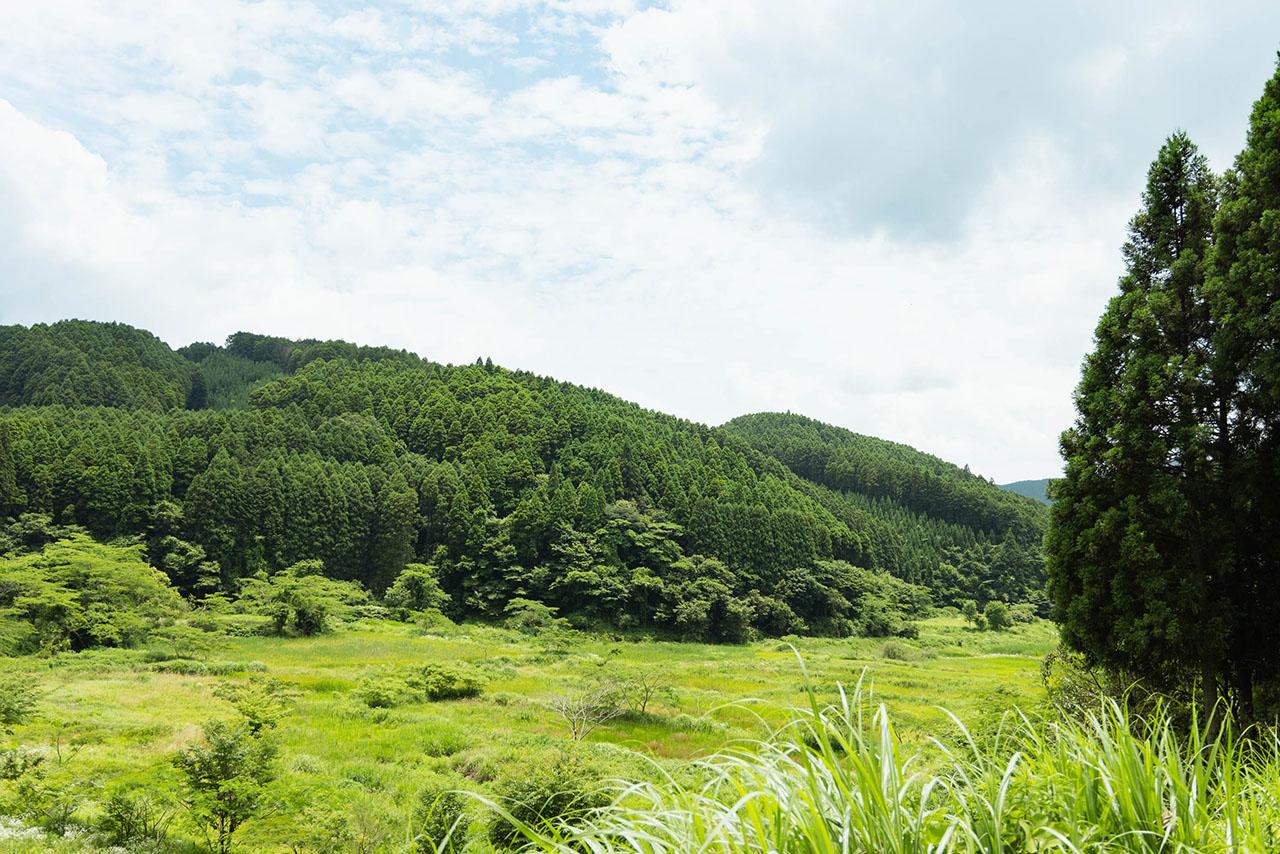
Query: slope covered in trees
(79, 363)
(508, 485)
(934, 523)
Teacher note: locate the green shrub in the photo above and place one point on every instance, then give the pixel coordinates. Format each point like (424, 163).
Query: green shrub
(261, 701)
(19, 697)
(895, 651)
(18, 761)
(997, 614)
(416, 589)
(50, 805)
(448, 681)
(1023, 612)
(327, 827)
(301, 597)
(440, 818)
(383, 691)
(224, 778)
(544, 796)
(131, 816)
(531, 617)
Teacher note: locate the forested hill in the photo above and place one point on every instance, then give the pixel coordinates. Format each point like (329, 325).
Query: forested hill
(949, 521)
(252, 456)
(77, 363)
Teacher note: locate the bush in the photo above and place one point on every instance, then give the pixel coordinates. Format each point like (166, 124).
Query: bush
(18, 700)
(895, 651)
(327, 828)
(447, 681)
(430, 683)
(224, 779)
(544, 795)
(383, 691)
(416, 589)
(1024, 612)
(131, 817)
(302, 597)
(15, 762)
(440, 819)
(262, 702)
(997, 614)
(530, 617)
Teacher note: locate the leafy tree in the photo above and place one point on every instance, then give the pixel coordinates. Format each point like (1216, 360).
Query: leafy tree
(302, 597)
(998, 617)
(530, 617)
(224, 779)
(416, 589)
(77, 593)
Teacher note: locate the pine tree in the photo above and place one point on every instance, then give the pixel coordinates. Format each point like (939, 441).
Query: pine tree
(1244, 296)
(394, 524)
(11, 497)
(1131, 554)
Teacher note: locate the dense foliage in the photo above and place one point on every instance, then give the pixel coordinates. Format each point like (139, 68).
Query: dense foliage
(507, 485)
(931, 522)
(75, 593)
(78, 363)
(1163, 549)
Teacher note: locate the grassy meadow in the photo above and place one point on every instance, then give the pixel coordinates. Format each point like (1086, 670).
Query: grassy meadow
(351, 773)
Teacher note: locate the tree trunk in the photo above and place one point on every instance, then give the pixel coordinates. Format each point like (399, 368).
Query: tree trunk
(1209, 696)
(1242, 687)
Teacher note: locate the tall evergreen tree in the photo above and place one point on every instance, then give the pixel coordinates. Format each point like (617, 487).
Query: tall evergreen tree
(1244, 296)
(11, 498)
(1132, 558)
(394, 523)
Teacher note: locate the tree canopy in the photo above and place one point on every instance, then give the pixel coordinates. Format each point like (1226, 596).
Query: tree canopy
(511, 486)
(1163, 549)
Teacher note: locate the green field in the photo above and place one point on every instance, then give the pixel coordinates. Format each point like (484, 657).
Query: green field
(111, 717)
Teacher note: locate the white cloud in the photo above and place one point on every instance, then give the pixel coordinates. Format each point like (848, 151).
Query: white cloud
(904, 222)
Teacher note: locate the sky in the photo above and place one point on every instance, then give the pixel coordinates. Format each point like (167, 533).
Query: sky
(901, 218)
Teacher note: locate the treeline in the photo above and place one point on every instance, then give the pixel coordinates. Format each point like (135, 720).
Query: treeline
(507, 484)
(1165, 547)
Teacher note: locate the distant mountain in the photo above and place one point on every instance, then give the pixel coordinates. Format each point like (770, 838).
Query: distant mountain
(1037, 489)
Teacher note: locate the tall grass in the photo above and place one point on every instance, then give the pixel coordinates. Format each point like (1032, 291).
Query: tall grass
(836, 779)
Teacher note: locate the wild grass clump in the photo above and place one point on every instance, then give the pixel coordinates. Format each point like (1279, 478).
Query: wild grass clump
(836, 779)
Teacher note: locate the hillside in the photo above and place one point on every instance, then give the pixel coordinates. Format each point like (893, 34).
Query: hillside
(507, 484)
(1037, 489)
(953, 531)
(77, 363)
